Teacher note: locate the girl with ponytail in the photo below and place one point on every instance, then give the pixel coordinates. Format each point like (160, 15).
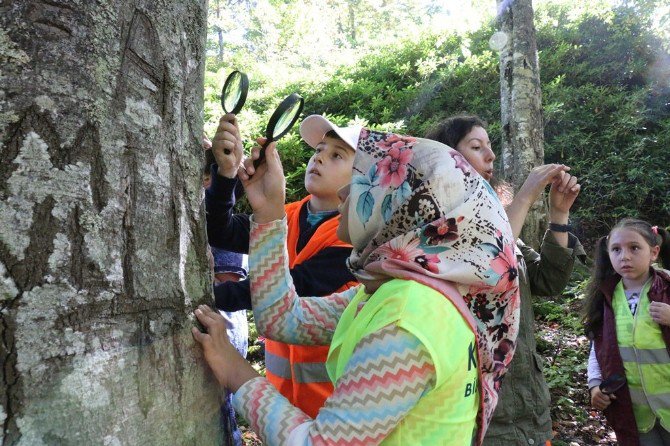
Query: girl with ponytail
(627, 315)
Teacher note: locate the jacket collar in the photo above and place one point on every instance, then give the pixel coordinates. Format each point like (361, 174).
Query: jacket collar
(660, 284)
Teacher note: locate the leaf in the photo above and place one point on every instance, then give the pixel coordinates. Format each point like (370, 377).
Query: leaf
(364, 206)
(372, 173)
(434, 249)
(386, 208)
(402, 193)
(491, 248)
(360, 179)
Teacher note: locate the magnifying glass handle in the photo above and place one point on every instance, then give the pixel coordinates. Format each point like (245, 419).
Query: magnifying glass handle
(261, 156)
(232, 119)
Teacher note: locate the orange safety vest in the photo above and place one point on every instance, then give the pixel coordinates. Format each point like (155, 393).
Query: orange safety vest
(299, 371)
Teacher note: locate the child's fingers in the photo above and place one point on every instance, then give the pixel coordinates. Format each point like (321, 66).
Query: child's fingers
(206, 142)
(205, 318)
(249, 162)
(228, 118)
(272, 157)
(208, 310)
(242, 173)
(198, 335)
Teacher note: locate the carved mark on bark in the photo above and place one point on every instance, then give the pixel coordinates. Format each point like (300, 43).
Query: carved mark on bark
(129, 178)
(30, 272)
(142, 69)
(87, 147)
(48, 17)
(11, 393)
(31, 121)
(84, 273)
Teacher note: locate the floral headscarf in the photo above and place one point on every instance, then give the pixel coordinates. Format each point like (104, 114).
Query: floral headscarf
(418, 210)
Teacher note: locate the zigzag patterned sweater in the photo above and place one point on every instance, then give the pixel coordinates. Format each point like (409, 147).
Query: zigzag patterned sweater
(386, 376)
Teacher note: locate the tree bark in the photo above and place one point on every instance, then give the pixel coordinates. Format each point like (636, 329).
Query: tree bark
(102, 239)
(521, 106)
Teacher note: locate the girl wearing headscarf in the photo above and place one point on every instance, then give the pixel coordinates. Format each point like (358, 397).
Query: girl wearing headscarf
(419, 349)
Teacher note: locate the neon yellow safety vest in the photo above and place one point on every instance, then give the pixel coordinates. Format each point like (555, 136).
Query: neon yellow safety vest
(447, 414)
(645, 359)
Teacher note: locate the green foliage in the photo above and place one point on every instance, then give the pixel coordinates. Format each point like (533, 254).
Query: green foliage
(561, 340)
(605, 85)
(607, 115)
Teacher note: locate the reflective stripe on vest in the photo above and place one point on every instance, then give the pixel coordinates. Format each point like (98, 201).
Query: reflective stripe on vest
(277, 365)
(301, 372)
(645, 358)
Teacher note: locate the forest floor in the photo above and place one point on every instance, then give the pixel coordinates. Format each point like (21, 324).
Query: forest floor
(565, 349)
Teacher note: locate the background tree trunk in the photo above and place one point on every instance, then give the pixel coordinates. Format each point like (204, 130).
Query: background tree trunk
(521, 106)
(102, 239)
(219, 32)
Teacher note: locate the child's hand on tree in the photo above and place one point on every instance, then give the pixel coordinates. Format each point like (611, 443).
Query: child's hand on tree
(265, 186)
(230, 369)
(600, 400)
(660, 313)
(227, 146)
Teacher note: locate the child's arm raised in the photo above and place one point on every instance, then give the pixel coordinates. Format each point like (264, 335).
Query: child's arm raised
(225, 229)
(280, 314)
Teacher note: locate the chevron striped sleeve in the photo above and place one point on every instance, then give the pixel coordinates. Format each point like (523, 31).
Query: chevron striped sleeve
(280, 314)
(384, 379)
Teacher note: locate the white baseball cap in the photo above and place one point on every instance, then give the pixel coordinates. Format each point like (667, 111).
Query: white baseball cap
(314, 128)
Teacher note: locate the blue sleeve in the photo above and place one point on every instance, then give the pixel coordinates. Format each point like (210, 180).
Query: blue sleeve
(233, 296)
(225, 229)
(321, 275)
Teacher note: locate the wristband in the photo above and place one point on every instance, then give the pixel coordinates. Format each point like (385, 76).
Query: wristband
(557, 227)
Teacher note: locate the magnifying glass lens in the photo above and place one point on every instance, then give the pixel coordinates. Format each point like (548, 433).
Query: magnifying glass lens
(281, 121)
(234, 92)
(286, 120)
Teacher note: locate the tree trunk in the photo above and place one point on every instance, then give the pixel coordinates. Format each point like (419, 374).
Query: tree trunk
(521, 106)
(219, 32)
(352, 24)
(102, 239)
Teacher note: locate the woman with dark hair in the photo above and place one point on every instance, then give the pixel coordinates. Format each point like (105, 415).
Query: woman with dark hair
(522, 415)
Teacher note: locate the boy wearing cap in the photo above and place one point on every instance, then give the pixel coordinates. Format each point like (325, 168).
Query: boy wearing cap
(317, 257)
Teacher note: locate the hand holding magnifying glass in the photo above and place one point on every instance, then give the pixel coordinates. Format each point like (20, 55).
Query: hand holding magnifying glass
(233, 96)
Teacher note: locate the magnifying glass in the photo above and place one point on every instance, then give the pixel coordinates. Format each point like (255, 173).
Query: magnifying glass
(281, 121)
(613, 383)
(234, 92)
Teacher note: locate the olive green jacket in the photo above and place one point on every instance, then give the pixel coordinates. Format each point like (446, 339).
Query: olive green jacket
(522, 415)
